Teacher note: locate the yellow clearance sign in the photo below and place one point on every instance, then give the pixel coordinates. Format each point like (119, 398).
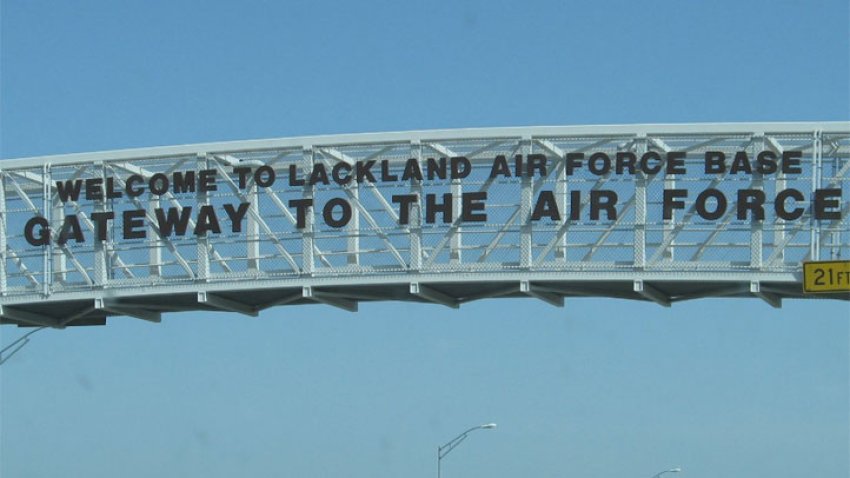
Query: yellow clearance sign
(826, 276)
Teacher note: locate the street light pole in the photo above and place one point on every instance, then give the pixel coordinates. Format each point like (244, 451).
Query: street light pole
(23, 340)
(671, 470)
(444, 450)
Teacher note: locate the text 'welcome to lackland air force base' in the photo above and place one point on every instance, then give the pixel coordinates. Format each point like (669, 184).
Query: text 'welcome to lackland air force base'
(710, 204)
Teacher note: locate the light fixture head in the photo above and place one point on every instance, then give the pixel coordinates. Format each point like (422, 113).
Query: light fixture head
(489, 425)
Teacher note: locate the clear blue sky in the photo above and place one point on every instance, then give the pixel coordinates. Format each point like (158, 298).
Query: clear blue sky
(600, 388)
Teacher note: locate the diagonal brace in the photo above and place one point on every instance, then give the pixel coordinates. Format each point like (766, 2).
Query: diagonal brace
(328, 298)
(115, 307)
(228, 305)
(772, 299)
(527, 288)
(651, 293)
(432, 295)
(283, 300)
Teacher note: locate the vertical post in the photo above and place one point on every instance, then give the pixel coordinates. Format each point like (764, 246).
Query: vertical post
(3, 244)
(526, 198)
(757, 227)
(353, 243)
(640, 208)
(307, 263)
(155, 247)
(780, 224)
(47, 210)
(561, 200)
(101, 268)
(670, 225)
(59, 259)
(817, 154)
(416, 211)
(835, 235)
(457, 239)
(203, 241)
(252, 234)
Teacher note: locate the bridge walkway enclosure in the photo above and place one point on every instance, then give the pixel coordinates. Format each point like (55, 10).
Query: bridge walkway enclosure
(660, 213)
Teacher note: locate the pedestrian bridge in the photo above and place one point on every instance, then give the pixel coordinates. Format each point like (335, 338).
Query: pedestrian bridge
(660, 213)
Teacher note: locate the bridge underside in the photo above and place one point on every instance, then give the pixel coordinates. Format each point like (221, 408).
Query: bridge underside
(250, 301)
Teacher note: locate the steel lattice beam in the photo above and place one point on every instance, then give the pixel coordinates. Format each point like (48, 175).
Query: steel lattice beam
(280, 255)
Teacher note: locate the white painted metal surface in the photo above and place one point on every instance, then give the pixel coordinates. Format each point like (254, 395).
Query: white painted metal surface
(376, 256)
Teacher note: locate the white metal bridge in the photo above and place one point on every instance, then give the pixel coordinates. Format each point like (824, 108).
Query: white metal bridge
(381, 248)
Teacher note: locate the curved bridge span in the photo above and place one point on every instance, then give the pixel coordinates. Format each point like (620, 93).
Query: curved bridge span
(661, 213)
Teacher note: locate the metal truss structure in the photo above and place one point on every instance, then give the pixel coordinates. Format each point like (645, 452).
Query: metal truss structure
(638, 255)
